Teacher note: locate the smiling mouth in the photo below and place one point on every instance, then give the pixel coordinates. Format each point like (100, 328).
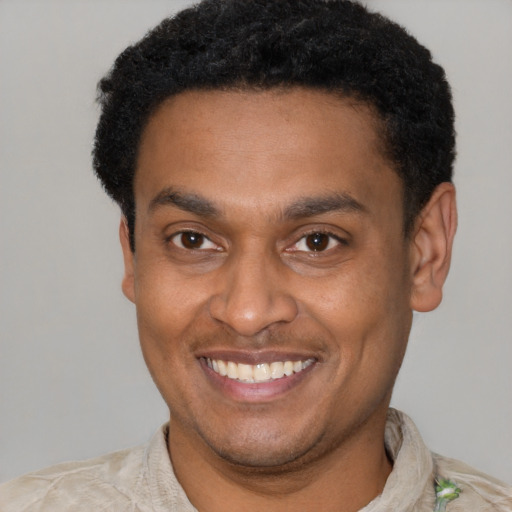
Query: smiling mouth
(255, 373)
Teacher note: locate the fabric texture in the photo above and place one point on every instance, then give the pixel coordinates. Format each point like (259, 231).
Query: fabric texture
(142, 479)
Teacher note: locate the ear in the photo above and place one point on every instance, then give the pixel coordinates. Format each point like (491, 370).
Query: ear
(128, 284)
(432, 248)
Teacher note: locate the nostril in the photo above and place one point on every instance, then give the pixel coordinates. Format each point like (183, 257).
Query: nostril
(250, 316)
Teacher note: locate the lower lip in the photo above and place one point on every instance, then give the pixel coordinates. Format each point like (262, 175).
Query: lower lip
(255, 391)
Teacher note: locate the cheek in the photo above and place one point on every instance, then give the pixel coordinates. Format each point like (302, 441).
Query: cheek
(365, 307)
(168, 307)
(357, 293)
(166, 318)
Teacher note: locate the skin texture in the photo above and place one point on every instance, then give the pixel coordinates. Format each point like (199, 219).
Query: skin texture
(247, 172)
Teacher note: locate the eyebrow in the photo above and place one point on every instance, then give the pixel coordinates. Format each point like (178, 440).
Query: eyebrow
(311, 206)
(301, 208)
(191, 203)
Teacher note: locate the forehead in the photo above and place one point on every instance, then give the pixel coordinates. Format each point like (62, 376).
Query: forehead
(249, 147)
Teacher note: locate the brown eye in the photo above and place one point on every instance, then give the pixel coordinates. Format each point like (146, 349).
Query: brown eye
(317, 241)
(192, 240)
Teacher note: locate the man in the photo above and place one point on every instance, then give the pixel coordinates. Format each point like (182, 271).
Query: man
(284, 174)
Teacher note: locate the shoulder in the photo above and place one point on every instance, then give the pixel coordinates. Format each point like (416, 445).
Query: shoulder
(86, 485)
(479, 492)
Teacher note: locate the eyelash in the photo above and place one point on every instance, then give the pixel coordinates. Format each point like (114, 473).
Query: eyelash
(200, 235)
(331, 237)
(303, 239)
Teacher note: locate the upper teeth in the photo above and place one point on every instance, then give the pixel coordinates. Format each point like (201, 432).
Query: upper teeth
(262, 372)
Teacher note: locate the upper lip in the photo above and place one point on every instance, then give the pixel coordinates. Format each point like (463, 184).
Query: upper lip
(256, 357)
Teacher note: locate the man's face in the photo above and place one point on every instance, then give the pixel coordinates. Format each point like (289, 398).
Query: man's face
(269, 246)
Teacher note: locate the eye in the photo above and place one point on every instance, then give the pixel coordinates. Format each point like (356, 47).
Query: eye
(191, 240)
(317, 242)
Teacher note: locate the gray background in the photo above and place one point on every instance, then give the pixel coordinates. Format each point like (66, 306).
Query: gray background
(72, 381)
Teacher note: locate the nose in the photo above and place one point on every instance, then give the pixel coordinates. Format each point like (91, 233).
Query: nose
(253, 296)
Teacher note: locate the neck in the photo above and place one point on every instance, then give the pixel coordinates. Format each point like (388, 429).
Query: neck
(346, 478)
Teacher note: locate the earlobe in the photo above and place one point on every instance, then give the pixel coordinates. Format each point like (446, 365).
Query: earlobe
(432, 248)
(128, 284)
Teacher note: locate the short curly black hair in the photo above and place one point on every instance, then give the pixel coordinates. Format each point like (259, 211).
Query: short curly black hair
(333, 45)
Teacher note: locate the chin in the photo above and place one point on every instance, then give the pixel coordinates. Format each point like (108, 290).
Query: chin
(273, 460)
(268, 449)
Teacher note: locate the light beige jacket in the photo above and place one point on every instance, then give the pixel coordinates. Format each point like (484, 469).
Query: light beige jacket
(142, 480)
